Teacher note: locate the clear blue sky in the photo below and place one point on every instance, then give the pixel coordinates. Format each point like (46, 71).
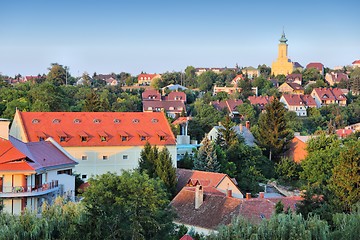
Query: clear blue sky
(157, 36)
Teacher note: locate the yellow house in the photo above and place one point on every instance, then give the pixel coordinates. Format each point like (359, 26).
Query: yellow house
(291, 88)
(100, 141)
(282, 65)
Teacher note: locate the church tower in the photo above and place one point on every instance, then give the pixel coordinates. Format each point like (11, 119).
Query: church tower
(282, 65)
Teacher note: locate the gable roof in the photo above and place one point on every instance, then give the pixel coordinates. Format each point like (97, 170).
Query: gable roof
(230, 104)
(90, 124)
(330, 94)
(299, 100)
(169, 106)
(219, 209)
(260, 100)
(32, 156)
(316, 65)
(176, 96)
(147, 76)
(295, 86)
(151, 95)
(356, 62)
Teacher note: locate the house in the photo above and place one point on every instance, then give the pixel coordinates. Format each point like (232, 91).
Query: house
(199, 71)
(251, 72)
(203, 207)
(318, 66)
(260, 101)
(356, 63)
(237, 79)
(297, 148)
(344, 133)
(294, 78)
(228, 90)
(355, 127)
(183, 143)
(32, 173)
(229, 106)
(146, 79)
(239, 129)
(298, 103)
(172, 108)
(297, 66)
(173, 104)
(173, 87)
(110, 79)
(100, 141)
(336, 77)
(291, 88)
(327, 96)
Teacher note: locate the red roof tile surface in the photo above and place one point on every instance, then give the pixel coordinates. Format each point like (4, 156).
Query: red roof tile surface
(151, 95)
(330, 93)
(316, 65)
(356, 62)
(299, 100)
(89, 124)
(260, 100)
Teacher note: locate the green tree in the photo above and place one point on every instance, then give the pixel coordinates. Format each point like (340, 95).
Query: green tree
(206, 158)
(130, 206)
(57, 74)
(92, 103)
(166, 171)
(148, 157)
(226, 134)
(206, 80)
(345, 179)
(273, 132)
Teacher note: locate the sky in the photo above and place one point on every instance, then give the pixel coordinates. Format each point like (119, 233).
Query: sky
(159, 36)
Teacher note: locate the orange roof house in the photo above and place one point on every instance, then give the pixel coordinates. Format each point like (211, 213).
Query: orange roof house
(146, 79)
(297, 148)
(32, 172)
(101, 141)
(291, 88)
(356, 63)
(260, 101)
(316, 65)
(327, 96)
(229, 105)
(298, 103)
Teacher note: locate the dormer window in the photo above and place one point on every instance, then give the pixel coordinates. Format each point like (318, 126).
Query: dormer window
(142, 138)
(83, 136)
(41, 136)
(116, 120)
(41, 139)
(62, 139)
(56, 121)
(35, 121)
(162, 135)
(84, 139)
(103, 136)
(62, 135)
(135, 120)
(96, 120)
(143, 135)
(154, 120)
(76, 120)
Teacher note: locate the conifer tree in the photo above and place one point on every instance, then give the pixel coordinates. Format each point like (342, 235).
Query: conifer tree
(206, 159)
(147, 159)
(273, 132)
(166, 171)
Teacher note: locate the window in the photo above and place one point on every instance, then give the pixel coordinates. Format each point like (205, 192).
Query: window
(124, 138)
(103, 138)
(125, 157)
(62, 139)
(97, 120)
(154, 120)
(77, 120)
(56, 120)
(116, 120)
(104, 157)
(142, 138)
(84, 176)
(66, 171)
(84, 139)
(41, 139)
(35, 121)
(162, 138)
(135, 120)
(84, 157)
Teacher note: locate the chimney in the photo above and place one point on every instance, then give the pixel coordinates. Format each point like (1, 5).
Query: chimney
(228, 192)
(261, 195)
(247, 125)
(248, 196)
(4, 128)
(199, 196)
(241, 127)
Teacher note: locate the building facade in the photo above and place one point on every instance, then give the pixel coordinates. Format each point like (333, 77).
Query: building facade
(282, 65)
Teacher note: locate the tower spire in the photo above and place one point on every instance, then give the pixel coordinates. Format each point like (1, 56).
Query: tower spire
(283, 38)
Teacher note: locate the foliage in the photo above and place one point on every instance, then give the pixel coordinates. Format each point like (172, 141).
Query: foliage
(273, 132)
(206, 80)
(279, 207)
(226, 134)
(186, 162)
(287, 169)
(57, 74)
(206, 158)
(130, 206)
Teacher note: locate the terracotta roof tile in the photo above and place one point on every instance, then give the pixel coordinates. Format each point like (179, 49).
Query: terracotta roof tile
(89, 124)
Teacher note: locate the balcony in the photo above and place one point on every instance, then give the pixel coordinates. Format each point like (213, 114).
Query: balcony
(29, 191)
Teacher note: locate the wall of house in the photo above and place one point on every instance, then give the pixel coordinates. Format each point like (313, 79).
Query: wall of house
(225, 184)
(297, 150)
(13, 205)
(118, 158)
(17, 130)
(67, 182)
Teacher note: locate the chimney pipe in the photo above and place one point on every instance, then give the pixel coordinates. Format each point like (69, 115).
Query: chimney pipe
(199, 196)
(261, 194)
(247, 125)
(248, 196)
(228, 192)
(241, 127)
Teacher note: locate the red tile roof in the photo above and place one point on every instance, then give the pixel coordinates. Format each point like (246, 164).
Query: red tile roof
(330, 93)
(186, 237)
(176, 96)
(152, 95)
(89, 124)
(219, 209)
(295, 86)
(316, 65)
(229, 104)
(168, 106)
(8, 152)
(356, 62)
(181, 120)
(299, 100)
(343, 133)
(146, 76)
(260, 100)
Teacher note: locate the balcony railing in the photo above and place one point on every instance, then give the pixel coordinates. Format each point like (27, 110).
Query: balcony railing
(23, 190)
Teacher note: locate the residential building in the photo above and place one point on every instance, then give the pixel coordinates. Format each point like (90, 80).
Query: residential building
(228, 90)
(230, 106)
(146, 79)
(250, 72)
(291, 88)
(173, 87)
(316, 65)
(297, 148)
(100, 141)
(203, 206)
(32, 173)
(344, 133)
(355, 127)
(283, 64)
(298, 103)
(237, 79)
(260, 101)
(356, 63)
(294, 78)
(239, 129)
(176, 96)
(199, 71)
(327, 96)
(151, 95)
(297, 66)
(110, 79)
(336, 77)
